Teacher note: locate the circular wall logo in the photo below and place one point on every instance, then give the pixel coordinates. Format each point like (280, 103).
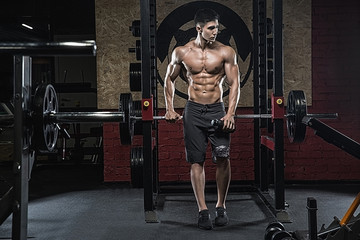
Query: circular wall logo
(178, 28)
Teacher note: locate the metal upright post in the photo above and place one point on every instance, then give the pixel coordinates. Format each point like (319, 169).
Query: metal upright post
(262, 64)
(23, 156)
(263, 88)
(312, 218)
(257, 171)
(278, 92)
(146, 74)
(154, 72)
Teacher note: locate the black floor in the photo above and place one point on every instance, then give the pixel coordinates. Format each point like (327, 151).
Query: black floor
(71, 202)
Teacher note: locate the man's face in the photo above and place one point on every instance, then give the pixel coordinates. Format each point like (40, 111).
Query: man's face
(210, 30)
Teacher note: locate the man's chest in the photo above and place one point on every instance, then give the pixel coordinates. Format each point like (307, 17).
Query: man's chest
(199, 61)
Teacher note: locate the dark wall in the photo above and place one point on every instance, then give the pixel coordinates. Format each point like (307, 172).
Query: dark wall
(336, 86)
(65, 17)
(48, 19)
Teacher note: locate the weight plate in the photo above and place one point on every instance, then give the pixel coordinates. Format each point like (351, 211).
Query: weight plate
(137, 166)
(45, 132)
(276, 224)
(138, 125)
(138, 50)
(135, 28)
(135, 77)
(296, 110)
(281, 235)
(126, 127)
(270, 231)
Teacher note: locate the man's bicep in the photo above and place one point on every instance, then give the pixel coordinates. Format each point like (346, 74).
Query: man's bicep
(173, 71)
(232, 73)
(231, 66)
(174, 66)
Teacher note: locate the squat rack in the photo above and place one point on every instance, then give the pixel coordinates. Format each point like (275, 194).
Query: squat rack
(269, 52)
(261, 79)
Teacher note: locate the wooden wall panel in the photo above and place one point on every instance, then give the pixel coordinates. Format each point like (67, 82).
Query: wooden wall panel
(113, 18)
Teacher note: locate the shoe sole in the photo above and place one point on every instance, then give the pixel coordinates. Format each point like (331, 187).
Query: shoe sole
(206, 228)
(221, 224)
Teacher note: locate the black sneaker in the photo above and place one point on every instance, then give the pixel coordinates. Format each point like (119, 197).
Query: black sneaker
(221, 218)
(204, 221)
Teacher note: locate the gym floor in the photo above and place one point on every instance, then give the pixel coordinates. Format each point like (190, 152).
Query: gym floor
(71, 202)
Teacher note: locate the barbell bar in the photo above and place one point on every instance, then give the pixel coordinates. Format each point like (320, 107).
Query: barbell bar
(104, 116)
(261, 116)
(46, 117)
(91, 117)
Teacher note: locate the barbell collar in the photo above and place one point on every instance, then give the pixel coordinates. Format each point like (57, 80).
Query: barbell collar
(68, 117)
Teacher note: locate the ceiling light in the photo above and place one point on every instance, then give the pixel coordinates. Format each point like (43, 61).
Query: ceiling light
(27, 26)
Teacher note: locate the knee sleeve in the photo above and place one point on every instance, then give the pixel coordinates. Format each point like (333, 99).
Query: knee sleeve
(220, 152)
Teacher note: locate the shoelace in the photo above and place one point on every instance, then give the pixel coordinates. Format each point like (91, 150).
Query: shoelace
(204, 215)
(220, 211)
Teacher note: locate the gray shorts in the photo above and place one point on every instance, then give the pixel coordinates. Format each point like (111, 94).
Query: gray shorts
(198, 130)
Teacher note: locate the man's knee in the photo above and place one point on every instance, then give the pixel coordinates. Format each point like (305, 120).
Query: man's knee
(220, 153)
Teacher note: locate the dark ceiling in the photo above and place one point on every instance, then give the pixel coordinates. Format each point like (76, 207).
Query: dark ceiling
(47, 17)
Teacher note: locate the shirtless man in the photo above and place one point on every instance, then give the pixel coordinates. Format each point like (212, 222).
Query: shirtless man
(207, 63)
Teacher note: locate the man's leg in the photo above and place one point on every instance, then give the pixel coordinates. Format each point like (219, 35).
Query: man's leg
(197, 174)
(223, 176)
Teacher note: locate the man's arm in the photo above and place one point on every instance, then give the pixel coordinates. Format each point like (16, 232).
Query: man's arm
(233, 79)
(172, 72)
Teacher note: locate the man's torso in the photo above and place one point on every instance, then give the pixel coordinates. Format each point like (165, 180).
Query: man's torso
(204, 72)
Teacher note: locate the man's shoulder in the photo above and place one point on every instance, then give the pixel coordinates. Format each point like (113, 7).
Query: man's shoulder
(185, 47)
(182, 50)
(225, 48)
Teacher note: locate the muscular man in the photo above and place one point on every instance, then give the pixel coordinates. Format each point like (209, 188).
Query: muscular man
(206, 64)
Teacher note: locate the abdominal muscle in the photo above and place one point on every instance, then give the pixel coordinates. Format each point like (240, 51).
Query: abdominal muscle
(205, 89)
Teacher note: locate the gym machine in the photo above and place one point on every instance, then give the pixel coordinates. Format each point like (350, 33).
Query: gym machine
(16, 199)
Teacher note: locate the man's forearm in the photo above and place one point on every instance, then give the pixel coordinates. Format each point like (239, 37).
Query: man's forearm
(169, 90)
(234, 96)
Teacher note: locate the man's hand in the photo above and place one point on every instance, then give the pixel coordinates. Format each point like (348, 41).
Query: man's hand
(229, 123)
(172, 116)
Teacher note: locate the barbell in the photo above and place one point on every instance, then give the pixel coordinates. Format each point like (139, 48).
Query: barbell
(296, 110)
(46, 117)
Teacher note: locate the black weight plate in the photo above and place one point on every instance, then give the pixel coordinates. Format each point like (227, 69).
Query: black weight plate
(137, 166)
(126, 127)
(281, 235)
(296, 110)
(276, 224)
(270, 231)
(138, 50)
(135, 28)
(135, 77)
(45, 132)
(138, 125)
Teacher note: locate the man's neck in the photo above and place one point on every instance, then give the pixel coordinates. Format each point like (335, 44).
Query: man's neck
(202, 43)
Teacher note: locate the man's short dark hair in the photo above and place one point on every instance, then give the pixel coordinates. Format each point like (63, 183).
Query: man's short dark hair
(205, 15)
